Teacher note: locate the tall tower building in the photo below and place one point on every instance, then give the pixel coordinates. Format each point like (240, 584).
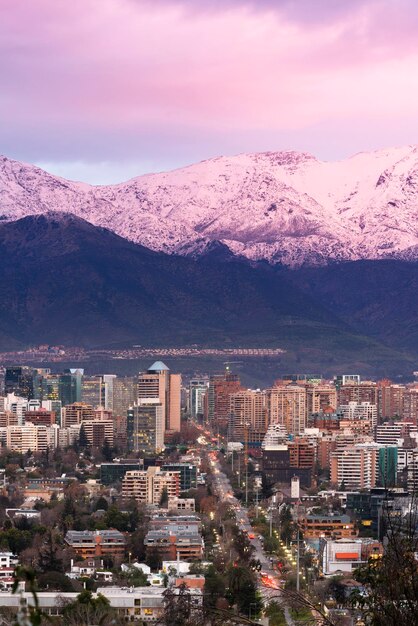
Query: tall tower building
(247, 409)
(198, 389)
(92, 390)
(20, 381)
(287, 406)
(145, 427)
(157, 382)
(220, 388)
(124, 394)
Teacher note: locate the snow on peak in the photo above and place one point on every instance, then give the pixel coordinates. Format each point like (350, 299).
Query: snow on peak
(285, 207)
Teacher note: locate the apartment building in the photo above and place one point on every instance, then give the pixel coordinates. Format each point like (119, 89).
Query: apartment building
(287, 405)
(99, 543)
(148, 486)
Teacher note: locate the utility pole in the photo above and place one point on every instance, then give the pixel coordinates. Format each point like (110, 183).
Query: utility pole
(239, 470)
(297, 564)
(246, 484)
(271, 521)
(256, 501)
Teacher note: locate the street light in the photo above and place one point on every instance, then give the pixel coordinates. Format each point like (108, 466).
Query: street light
(251, 605)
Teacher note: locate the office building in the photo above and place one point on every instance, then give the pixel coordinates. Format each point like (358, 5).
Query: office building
(20, 381)
(92, 391)
(187, 472)
(124, 395)
(145, 426)
(69, 387)
(158, 382)
(315, 527)
(198, 389)
(111, 473)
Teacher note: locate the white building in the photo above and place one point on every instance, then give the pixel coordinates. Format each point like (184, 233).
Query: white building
(364, 411)
(340, 556)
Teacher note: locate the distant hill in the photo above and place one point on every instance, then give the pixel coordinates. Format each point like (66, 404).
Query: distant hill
(65, 281)
(377, 298)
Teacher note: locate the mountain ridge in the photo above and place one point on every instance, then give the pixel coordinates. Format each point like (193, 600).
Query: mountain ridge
(287, 207)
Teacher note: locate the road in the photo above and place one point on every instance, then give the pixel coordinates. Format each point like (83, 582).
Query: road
(223, 490)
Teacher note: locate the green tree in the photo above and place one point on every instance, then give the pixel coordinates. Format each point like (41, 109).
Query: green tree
(88, 610)
(101, 504)
(107, 451)
(214, 588)
(83, 441)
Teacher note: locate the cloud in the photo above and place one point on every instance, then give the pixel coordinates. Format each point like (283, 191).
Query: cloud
(106, 81)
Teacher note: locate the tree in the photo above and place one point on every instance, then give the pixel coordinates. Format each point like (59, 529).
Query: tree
(153, 558)
(164, 498)
(107, 451)
(83, 441)
(214, 588)
(88, 610)
(243, 588)
(178, 608)
(49, 554)
(101, 504)
(391, 582)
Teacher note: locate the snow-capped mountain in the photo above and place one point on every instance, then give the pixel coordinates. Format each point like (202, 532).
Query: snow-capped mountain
(284, 207)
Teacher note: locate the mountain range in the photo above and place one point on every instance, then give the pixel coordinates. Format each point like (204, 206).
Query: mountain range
(283, 207)
(333, 282)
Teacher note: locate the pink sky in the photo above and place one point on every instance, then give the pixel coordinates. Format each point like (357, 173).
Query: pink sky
(101, 90)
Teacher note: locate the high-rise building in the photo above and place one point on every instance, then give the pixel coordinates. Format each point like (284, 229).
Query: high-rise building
(157, 382)
(390, 400)
(31, 437)
(40, 417)
(320, 397)
(410, 405)
(247, 411)
(145, 426)
(364, 391)
(359, 411)
(388, 466)
(355, 467)
(20, 381)
(92, 390)
(287, 406)
(221, 386)
(98, 431)
(302, 453)
(76, 413)
(69, 387)
(107, 395)
(198, 389)
(124, 394)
